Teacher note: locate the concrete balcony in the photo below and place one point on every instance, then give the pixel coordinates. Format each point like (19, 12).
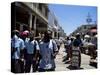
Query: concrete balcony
(36, 11)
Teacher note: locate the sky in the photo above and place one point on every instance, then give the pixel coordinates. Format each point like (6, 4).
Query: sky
(72, 16)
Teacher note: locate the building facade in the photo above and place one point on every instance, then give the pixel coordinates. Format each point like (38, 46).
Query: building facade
(61, 32)
(34, 16)
(84, 29)
(54, 26)
(27, 15)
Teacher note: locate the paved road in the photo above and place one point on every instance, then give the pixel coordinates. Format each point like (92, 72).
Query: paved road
(60, 66)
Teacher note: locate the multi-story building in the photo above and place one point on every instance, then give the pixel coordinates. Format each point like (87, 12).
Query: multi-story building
(84, 29)
(61, 32)
(53, 25)
(34, 16)
(27, 15)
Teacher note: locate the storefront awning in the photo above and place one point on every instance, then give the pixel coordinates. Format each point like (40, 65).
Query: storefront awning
(93, 30)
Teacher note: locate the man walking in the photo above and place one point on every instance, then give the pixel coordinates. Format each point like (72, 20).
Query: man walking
(48, 51)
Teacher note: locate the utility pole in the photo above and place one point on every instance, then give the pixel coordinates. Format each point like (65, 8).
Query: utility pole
(89, 19)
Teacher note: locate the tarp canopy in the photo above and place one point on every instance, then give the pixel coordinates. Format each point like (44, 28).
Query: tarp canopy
(93, 30)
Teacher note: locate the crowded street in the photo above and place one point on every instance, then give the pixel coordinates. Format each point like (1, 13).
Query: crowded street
(40, 43)
(61, 66)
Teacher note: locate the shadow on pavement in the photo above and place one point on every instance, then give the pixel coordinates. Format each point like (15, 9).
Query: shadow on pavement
(73, 68)
(67, 62)
(93, 64)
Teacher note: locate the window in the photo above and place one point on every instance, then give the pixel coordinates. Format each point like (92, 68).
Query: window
(85, 27)
(40, 7)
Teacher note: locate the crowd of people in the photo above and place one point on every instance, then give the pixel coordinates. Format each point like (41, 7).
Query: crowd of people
(27, 52)
(84, 44)
(69, 44)
(30, 54)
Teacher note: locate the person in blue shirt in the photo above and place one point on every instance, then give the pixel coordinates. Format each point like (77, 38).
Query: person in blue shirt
(32, 50)
(48, 51)
(17, 46)
(78, 43)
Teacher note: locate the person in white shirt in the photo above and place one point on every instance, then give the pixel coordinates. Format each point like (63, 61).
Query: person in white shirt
(48, 51)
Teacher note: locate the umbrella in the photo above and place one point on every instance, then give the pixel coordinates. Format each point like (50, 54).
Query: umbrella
(87, 36)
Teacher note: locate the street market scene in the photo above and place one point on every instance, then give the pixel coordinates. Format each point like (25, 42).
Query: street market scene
(53, 37)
